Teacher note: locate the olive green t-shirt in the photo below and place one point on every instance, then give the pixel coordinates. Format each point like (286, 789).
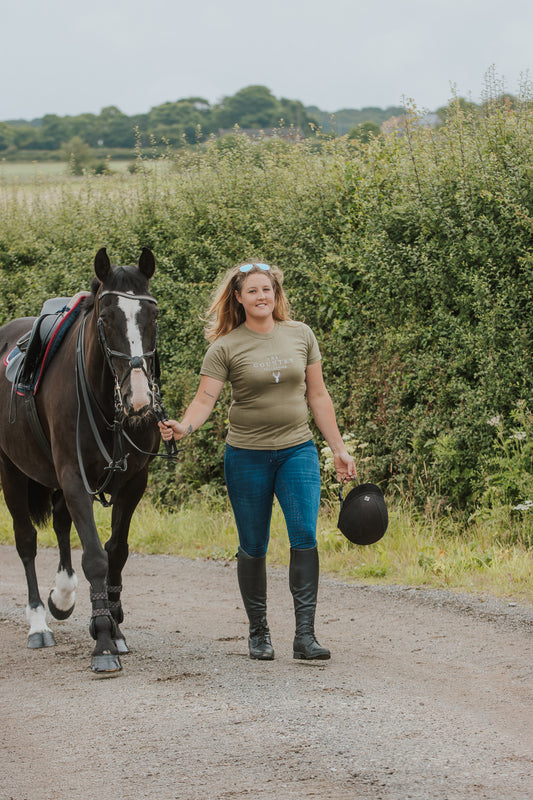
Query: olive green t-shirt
(267, 374)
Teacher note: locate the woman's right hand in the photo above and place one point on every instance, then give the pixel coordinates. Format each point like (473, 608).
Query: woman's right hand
(170, 429)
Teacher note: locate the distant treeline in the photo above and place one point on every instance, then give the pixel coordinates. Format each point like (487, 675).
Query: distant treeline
(186, 121)
(193, 120)
(345, 120)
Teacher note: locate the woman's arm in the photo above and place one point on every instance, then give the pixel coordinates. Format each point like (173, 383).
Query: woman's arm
(197, 413)
(324, 415)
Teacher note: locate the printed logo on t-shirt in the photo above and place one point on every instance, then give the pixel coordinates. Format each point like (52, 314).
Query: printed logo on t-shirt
(273, 364)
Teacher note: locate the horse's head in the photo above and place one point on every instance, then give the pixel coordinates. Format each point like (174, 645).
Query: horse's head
(127, 328)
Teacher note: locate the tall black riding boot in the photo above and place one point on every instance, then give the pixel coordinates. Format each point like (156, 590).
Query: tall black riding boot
(251, 573)
(303, 582)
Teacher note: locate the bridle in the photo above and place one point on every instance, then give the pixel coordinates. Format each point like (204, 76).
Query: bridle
(118, 461)
(135, 362)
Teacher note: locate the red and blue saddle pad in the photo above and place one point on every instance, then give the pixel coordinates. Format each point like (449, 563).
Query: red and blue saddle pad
(57, 315)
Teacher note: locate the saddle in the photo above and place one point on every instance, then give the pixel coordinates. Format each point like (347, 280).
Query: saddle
(27, 361)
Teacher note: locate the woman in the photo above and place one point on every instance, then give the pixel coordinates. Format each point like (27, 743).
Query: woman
(273, 365)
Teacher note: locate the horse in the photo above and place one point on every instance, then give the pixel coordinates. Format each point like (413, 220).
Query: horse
(88, 432)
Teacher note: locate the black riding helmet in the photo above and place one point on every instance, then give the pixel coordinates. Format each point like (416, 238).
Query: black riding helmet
(363, 516)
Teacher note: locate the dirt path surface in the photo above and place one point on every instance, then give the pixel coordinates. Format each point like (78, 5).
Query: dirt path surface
(428, 695)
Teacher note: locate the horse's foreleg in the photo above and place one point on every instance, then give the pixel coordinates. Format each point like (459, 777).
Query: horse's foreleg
(15, 488)
(39, 634)
(62, 597)
(94, 561)
(117, 547)
(102, 627)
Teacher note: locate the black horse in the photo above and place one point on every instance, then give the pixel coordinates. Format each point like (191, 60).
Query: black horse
(88, 430)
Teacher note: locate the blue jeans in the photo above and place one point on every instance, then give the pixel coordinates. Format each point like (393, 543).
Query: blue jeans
(253, 477)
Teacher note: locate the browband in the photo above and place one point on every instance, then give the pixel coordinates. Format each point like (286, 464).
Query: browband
(129, 295)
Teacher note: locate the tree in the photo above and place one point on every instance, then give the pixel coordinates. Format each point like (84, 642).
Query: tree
(85, 126)
(27, 137)
(115, 128)
(458, 103)
(365, 131)
(200, 104)
(54, 131)
(6, 135)
(294, 113)
(78, 154)
(251, 107)
(182, 119)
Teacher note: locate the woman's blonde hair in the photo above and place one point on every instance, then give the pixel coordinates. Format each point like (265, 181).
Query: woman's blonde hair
(226, 313)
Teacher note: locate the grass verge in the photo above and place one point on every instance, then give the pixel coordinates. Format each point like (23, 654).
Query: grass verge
(415, 551)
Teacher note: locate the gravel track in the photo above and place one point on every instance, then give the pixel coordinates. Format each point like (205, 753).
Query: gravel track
(428, 694)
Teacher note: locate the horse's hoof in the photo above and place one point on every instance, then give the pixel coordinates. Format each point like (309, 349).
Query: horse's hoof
(57, 612)
(121, 646)
(106, 665)
(41, 639)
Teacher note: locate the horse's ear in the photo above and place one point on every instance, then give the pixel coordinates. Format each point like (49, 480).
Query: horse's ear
(147, 263)
(102, 264)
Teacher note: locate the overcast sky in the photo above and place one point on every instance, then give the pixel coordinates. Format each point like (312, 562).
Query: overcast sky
(69, 57)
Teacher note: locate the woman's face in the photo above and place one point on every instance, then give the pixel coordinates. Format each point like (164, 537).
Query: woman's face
(257, 296)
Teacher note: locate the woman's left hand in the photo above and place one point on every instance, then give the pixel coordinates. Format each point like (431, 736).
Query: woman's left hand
(345, 466)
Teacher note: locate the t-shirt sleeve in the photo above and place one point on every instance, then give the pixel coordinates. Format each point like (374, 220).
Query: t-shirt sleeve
(313, 350)
(215, 363)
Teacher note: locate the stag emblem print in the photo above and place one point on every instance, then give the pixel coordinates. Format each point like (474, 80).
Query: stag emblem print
(275, 365)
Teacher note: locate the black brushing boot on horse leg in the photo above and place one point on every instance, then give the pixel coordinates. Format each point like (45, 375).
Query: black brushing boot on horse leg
(105, 657)
(303, 582)
(251, 574)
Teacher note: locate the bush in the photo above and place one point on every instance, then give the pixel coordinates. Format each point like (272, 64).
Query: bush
(410, 256)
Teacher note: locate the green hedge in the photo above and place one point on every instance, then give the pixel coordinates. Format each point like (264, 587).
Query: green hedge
(410, 256)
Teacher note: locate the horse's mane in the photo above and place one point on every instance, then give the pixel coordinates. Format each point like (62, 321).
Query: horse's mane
(88, 303)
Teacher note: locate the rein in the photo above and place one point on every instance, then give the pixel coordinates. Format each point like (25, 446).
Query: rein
(117, 462)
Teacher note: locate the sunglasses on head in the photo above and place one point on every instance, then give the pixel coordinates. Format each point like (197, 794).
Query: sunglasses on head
(248, 267)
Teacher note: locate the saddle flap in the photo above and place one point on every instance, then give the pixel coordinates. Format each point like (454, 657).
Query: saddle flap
(13, 363)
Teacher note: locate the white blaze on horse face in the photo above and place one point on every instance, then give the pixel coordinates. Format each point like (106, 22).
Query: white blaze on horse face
(140, 390)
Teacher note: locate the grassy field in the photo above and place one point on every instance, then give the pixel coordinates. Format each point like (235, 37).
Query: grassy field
(415, 551)
(13, 170)
(36, 171)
